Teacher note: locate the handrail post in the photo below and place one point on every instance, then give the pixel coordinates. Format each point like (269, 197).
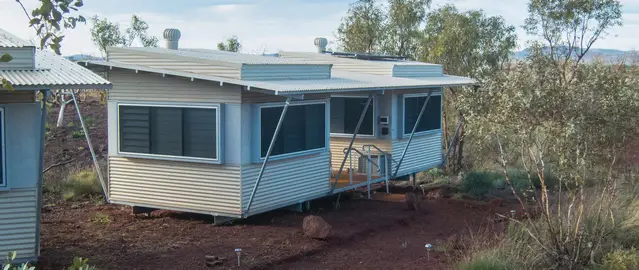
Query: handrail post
(350, 145)
(419, 117)
(268, 154)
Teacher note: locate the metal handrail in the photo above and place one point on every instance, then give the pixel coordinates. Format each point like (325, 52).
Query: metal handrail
(362, 154)
(379, 150)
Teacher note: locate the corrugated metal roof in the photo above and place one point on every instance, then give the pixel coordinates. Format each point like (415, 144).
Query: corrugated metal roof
(329, 58)
(230, 57)
(8, 40)
(340, 81)
(54, 72)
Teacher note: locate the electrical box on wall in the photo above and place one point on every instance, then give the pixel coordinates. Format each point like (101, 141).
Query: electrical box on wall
(384, 124)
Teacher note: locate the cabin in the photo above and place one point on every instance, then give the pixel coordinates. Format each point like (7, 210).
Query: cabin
(32, 73)
(234, 135)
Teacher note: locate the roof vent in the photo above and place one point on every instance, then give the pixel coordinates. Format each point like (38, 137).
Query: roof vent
(321, 44)
(171, 38)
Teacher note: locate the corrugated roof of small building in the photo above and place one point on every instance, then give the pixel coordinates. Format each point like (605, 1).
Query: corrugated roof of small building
(54, 72)
(229, 57)
(8, 40)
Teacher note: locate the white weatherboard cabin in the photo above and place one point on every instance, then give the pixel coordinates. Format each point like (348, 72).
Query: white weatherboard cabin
(234, 135)
(22, 130)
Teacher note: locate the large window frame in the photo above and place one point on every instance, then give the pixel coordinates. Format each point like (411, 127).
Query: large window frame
(219, 133)
(4, 183)
(403, 112)
(257, 145)
(373, 107)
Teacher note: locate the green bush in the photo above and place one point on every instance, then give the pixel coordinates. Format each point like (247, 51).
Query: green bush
(479, 184)
(78, 264)
(82, 183)
(621, 260)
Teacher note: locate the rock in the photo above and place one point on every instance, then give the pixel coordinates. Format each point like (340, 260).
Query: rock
(412, 201)
(213, 263)
(315, 227)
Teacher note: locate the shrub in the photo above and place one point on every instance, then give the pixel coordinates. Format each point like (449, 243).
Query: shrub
(82, 183)
(479, 184)
(487, 262)
(76, 134)
(621, 260)
(101, 218)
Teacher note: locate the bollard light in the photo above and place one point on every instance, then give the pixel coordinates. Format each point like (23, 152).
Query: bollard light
(428, 247)
(238, 251)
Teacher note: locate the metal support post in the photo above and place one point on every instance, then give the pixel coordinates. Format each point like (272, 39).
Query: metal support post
(268, 154)
(350, 145)
(95, 160)
(419, 117)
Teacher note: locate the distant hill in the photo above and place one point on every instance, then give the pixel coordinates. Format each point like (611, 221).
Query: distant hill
(608, 55)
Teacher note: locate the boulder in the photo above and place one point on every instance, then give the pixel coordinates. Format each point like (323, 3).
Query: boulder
(315, 227)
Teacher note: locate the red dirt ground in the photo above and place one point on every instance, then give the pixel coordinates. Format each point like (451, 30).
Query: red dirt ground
(366, 234)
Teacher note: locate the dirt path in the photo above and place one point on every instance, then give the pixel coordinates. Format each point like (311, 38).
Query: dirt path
(366, 235)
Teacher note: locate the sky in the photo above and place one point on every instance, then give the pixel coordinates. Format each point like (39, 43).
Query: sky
(267, 26)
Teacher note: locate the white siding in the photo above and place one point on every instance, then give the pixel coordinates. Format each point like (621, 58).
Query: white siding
(18, 221)
(191, 187)
(142, 86)
(157, 61)
(285, 72)
(418, 71)
(23, 58)
(286, 182)
(424, 152)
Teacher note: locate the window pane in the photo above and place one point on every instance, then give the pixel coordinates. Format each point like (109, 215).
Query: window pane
(431, 119)
(303, 129)
(135, 129)
(200, 136)
(166, 131)
(345, 113)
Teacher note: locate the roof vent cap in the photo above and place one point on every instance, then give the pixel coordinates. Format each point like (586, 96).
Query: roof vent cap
(171, 38)
(321, 44)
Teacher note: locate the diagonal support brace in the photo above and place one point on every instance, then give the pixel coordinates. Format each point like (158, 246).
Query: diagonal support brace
(268, 154)
(350, 145)
(419, 118)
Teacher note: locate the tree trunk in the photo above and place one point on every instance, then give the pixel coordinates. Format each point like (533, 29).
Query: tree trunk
(63, 105)
(460, 145)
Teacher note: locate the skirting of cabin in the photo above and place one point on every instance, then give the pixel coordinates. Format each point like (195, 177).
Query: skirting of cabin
(18, 223)
(424, 152)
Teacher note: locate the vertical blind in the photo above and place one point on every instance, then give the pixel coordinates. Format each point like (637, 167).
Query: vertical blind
(188, 132)
(303, 128)
(431, 119)
(345, 113)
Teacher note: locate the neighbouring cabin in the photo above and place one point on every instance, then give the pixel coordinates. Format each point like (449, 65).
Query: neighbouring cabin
(234, 135)
(22, 129)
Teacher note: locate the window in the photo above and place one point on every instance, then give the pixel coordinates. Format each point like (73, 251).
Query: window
(3, 181)
(303, 128)
(345, 113)
(431, 119)
(191, 132)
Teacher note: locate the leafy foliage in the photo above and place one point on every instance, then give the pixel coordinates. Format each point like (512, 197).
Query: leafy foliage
(467, 43)
(105, 33)
(361, 30)
(232, 45)
(402, 28)
(51, 18)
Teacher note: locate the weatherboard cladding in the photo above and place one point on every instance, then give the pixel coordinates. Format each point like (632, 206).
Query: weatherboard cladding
(194, 187)
(23, 58)
(18, 221)
(412, 71)
(144, 86)
(285, 72)
(424, 152)
(338, 144)
(286, 182)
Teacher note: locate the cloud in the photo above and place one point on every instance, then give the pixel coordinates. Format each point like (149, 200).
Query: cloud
(265, 26)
